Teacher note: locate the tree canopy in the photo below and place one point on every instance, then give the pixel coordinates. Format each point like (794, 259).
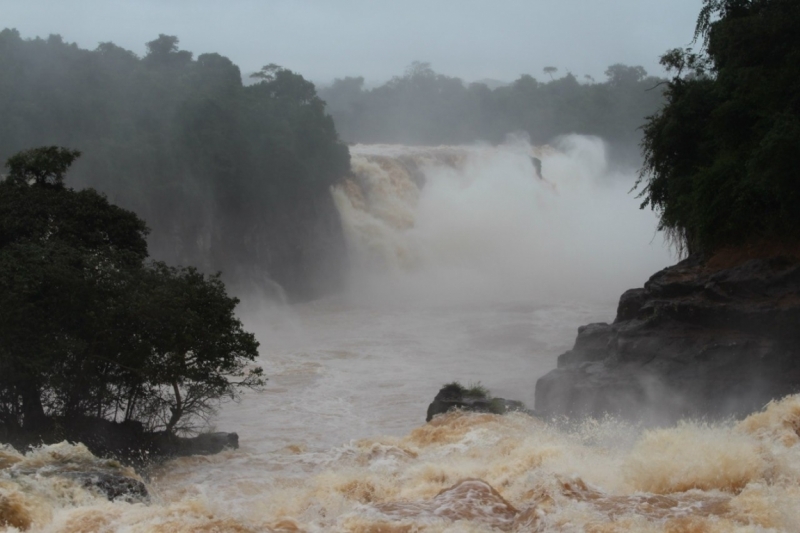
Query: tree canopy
(720, 157)
(89, 327)
(425, 107)
(229, 177)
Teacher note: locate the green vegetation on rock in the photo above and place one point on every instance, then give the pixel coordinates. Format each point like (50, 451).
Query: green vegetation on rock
(721, 156)
(473, 390)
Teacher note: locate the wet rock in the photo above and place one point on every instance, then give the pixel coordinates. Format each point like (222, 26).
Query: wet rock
(203, 444)
(112, 485)
(107, 477)
(454, 396)
(127, 442)
(471, 500)
(694, 341)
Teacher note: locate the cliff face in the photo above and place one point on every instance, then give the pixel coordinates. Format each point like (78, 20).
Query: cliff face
(695, 341)
(307, 253)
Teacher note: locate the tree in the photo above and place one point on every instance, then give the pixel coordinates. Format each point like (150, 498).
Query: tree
(41, 166)
(164, 51)
(620, 75)
(720, 156)
(89, 328)
(550, 71)
(58, 248)
(198, 347)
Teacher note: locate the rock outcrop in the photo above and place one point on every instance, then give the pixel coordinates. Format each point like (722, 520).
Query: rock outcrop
(125, 441)
(695, 341)
(112, 485)
(203, 444)
(454, 396)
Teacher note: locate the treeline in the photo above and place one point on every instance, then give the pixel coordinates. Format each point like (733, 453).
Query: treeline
(90, 329)
(721, 157)
(229, 177)
(424, 107)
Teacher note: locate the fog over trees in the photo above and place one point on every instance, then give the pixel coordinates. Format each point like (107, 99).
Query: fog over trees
(425, 107)
(229, 177)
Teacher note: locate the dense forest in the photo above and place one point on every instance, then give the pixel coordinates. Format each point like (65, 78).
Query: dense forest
(424, 107)
(721, 156)
(229, 177)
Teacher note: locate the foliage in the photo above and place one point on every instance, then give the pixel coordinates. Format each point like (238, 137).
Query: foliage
(720, 157)
(424, 107)
(230, 177)
(473, 390)
(89, 328)
(43, 166)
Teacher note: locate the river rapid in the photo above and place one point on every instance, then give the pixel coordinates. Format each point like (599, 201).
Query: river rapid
(465, 266)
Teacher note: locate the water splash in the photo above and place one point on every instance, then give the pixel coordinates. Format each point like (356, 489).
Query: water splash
(465, 472)
(475, 223)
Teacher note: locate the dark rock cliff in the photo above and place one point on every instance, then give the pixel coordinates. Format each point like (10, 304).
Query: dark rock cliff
(307, 252)
(695, 341)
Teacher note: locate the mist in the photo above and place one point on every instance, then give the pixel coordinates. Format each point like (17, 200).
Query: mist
(478, 226)
(325, 41)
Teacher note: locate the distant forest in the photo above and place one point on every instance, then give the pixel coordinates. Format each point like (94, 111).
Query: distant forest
(424, 107)
(236, 177)
(228, 177)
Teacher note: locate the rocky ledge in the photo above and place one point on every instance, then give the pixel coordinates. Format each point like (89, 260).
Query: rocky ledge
(127, 442)
(697, 340)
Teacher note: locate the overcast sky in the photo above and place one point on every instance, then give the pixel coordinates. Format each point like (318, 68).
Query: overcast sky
(326, 39)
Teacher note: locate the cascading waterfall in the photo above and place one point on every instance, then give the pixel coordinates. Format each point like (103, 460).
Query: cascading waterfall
(476, 223)
(465, 266)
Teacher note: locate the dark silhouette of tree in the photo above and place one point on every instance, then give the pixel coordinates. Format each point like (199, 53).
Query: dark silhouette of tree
(89, 328)
(720, 157)
(41, 166)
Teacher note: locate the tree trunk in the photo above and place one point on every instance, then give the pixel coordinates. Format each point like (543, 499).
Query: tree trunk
(33, 416)
(177, 411)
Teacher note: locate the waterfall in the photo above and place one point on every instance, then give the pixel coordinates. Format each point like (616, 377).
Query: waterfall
(471, 223)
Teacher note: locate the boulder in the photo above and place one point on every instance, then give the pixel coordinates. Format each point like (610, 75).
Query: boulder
(454, 396)
(127, 442)
(167, 445)
(112, 485)
(694, 341)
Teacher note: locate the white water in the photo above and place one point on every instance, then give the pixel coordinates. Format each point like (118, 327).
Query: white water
(483, 228)
(476, 272)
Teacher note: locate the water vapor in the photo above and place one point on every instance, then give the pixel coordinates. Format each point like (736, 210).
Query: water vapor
(461, 224)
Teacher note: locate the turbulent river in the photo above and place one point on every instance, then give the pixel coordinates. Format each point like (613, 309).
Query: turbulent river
(465, 265)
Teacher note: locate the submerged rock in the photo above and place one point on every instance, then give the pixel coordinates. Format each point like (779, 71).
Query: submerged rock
(455, 396)
(112, 485)
(125, 441)
(471, 500)
(203, 444)
(695, 341)
(108, 478)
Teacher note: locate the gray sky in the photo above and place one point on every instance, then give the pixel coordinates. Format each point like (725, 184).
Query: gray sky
(322, 40)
